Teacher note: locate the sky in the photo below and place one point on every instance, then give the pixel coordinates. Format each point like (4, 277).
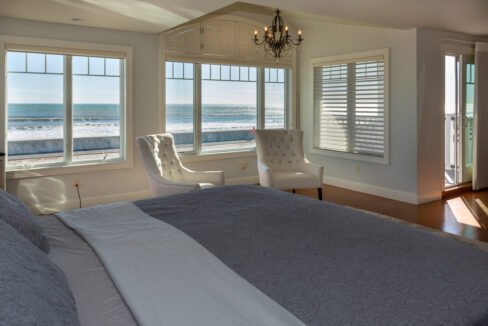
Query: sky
(38, 78)
(223, 84)
(36, 87)
(450, 86)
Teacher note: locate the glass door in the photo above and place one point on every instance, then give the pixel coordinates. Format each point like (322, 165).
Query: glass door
(458, 109)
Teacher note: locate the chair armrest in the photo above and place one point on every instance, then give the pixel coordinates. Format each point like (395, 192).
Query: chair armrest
(161, 186)
(214, 177)
(315, 170)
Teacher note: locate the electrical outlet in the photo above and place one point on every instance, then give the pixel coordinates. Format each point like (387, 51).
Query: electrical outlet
(358, 169)
(243, 165)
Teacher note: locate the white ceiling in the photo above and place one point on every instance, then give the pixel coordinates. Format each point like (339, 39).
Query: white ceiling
(465, 16)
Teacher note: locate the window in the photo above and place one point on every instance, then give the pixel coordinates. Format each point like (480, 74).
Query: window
(227, 108)
(275, 96)
(179, 107)
(351, 105)
(65, 108)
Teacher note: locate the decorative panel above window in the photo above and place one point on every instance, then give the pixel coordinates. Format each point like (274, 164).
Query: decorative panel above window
(221, 41)
(350, 94)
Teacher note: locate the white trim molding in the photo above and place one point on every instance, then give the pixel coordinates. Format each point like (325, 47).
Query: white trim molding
(58, 206)
(71, 48)
(378, 54)
(400, 195)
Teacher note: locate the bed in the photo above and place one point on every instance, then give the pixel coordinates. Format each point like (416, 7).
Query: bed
(247, 255)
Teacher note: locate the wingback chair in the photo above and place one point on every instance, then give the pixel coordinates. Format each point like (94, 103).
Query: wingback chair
(164, 171)
(282, 163)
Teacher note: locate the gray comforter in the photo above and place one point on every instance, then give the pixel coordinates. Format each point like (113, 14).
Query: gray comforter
(333, 265)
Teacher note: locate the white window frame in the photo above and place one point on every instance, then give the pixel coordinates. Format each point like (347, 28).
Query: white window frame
(260, 107)
(10, 43)
(358, 56)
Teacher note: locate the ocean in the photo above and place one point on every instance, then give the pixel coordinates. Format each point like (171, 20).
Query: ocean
(179, 117)
(45, 121)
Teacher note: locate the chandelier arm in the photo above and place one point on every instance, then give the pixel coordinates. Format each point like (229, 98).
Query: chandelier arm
(259, 43)
(296, 43)
(276, 38)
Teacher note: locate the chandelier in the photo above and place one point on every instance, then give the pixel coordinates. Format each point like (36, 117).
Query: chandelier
(276, 38)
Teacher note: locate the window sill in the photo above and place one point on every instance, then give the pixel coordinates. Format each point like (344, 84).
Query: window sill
(45, 171)
(201, 157)
(350, 156)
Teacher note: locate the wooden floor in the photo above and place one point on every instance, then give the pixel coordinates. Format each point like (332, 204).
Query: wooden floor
(464, 215)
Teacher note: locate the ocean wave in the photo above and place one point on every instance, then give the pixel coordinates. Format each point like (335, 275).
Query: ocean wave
(53, 119)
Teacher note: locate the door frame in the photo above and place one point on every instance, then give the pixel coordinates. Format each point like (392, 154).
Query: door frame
(461, 51)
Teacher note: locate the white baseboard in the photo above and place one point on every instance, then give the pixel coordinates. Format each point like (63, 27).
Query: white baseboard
(72, 203)
(428, 197)
(404, 196)
(131, 196)
(408, 197)
(250, 180)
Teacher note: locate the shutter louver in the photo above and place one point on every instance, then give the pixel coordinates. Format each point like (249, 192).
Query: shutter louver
(349, 105)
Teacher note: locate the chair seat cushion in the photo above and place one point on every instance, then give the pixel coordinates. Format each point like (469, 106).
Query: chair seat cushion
(294, 180)
(206, 185)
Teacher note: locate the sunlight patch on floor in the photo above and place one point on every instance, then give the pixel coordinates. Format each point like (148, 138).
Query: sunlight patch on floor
(448, 180)
(482, 206)
(462, 213)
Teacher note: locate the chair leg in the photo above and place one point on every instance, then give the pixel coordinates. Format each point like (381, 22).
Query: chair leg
(293, 190)
(319, 190)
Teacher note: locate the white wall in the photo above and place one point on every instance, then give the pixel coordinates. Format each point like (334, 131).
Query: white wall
(415, 147)
(58, 192)
(398, 180)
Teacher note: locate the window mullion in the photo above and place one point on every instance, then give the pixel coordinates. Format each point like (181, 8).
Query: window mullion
(68, 110)
(261, 100)
(287, 79)
(122, 110)
(197, 108)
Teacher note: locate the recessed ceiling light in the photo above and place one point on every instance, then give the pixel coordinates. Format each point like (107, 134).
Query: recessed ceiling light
(77, 19)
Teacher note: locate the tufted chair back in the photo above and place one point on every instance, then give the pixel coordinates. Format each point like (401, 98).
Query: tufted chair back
(281, 150)
(159, 156)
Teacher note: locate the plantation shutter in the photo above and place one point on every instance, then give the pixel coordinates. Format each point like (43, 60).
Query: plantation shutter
(349, 105)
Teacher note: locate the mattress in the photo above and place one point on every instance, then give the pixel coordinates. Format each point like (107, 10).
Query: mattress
(97, 300)
(326, 264)
(333, 265)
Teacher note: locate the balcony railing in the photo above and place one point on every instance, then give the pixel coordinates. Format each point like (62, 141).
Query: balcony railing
(451, 143)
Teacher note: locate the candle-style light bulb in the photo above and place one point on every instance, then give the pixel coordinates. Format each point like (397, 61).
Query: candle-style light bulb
(299, 32)
(255, 32)
(265, 28)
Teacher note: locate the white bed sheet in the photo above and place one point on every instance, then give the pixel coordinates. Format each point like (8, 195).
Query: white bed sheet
(166, 277)
(97, 300)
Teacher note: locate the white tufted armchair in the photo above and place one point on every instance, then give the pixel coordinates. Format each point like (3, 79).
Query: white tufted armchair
(164, 171)
(282, 163)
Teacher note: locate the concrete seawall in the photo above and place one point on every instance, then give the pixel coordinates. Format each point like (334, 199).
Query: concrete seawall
(49, 146)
